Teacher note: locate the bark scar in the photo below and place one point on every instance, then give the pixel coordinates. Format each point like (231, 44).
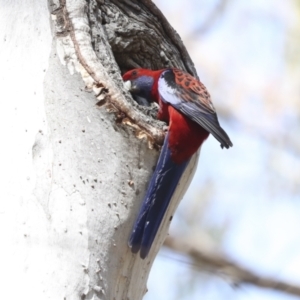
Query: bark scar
(109, 93)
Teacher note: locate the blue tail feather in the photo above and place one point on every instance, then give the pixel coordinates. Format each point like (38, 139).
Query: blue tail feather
(156, 201)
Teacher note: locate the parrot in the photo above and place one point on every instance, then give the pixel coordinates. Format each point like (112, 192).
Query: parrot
(185, 105)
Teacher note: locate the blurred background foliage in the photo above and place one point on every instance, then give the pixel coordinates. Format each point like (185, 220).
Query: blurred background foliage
(243, 202)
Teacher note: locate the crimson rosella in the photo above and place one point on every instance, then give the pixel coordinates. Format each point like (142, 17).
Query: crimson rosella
(185, 105)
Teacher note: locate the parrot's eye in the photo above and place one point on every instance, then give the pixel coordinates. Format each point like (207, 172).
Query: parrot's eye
(134, 73)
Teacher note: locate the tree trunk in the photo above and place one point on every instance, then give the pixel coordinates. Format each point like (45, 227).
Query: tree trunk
(73, 172)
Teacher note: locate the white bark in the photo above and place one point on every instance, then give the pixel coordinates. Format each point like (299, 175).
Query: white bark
(67, 168)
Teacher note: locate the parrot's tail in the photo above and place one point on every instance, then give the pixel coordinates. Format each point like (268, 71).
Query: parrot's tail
(156, 201)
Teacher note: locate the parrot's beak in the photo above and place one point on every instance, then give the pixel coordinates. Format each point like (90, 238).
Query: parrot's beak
(127, 85)
(130, 86)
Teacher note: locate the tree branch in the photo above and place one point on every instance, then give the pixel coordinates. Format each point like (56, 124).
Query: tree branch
(221, 264)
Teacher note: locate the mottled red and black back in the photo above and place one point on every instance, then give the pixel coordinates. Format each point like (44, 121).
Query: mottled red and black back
(191, 87)
(189, 96)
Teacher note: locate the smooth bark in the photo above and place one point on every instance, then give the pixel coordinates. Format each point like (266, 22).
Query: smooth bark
(73, 172)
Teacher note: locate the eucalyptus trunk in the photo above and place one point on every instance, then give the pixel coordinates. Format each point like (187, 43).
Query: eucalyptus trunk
(77, 152)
